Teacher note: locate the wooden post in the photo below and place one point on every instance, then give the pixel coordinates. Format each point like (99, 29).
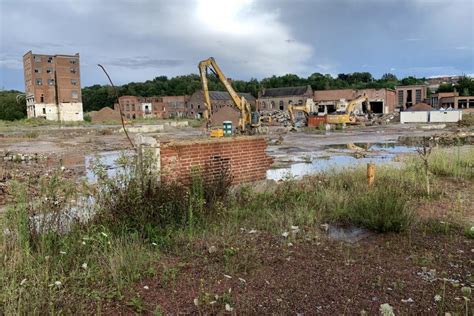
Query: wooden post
(370, 174)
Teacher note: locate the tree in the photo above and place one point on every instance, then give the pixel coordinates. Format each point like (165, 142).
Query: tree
(389, 77)
(12, 107)
(445, 87)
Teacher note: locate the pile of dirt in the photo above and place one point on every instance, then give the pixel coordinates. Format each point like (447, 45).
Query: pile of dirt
(420, 107)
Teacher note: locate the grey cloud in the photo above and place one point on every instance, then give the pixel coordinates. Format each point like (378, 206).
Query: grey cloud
(253, 38)
(144, 62)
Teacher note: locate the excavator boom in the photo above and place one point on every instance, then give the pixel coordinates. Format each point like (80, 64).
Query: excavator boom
(240, 102)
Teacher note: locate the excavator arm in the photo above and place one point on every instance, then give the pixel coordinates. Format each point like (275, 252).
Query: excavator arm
(352, 104)
(307, 108)
(240, 102)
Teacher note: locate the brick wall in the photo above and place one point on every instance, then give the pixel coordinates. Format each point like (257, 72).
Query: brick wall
(242, 158)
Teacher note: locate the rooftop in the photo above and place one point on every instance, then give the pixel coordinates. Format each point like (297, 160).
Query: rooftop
(286, 91)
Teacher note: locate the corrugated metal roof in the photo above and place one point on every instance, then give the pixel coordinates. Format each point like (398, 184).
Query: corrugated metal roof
(286, 91)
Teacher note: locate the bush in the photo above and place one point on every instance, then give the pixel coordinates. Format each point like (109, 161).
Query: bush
(136, 201)
(87, 118)
(382, 209)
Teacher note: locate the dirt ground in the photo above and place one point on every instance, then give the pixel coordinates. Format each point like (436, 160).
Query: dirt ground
(417, 272)
(315, 275)
(37, 151)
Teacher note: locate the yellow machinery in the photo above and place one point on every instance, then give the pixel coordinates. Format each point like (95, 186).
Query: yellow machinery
(307, 109)
(348, 116)
(245, 122)
(217, 132)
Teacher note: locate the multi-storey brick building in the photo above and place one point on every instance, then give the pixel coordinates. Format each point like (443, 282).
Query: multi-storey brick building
(53, 87)
(146, 107)
(408, 96)
(134, 107)
(380, 100)
(175, 105)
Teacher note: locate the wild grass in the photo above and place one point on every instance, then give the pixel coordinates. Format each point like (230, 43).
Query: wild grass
(53, 270)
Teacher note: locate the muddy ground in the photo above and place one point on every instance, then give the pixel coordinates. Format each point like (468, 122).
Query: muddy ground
(28, 153)
(419, 272)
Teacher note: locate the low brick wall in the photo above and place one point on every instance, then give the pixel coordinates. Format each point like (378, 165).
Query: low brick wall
(242, 158)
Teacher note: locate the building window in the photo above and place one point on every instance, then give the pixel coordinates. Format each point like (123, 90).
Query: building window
(128, 107)
(49, 70)
(39, 82)
(300, 102)
(73, 70)
(74, 94)
(264, 105)
(73, 61)
(192, 106)
(133, 106)
(44, 110)
(38, 70)
(74, 82)
(199, 106)
(282, 106)
(272, 105)
(400, 97)
(50, 60)
(42, 98)
(50, 82)
(37, 59)
(418, 95)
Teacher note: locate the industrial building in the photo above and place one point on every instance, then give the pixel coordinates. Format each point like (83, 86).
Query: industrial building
(453, 100)
(272, 99)
(53, 87)
(175, 106)
(408, 96)
(134, 107)
(195, 106)
(381, 101)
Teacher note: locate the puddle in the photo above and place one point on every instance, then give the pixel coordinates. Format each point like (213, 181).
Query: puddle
(108, 159)
(350, 234)
(344, 156)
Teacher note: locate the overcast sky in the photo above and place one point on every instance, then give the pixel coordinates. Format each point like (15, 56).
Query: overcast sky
(141, 39)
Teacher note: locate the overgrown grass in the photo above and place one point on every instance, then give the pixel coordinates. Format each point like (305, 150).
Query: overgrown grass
(456, 162)
(53, 270)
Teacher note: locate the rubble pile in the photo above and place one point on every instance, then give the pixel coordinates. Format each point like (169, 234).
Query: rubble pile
(19, 157)
(277, 117)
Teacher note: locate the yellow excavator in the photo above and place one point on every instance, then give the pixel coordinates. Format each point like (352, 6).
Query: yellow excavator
(308, 108)
(348, 115)
(249, 121)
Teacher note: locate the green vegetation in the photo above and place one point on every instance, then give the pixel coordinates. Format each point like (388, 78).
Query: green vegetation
(51, 268)
(12, 105)
(465, 86)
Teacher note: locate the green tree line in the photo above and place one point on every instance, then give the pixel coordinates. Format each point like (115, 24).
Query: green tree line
(98, 96)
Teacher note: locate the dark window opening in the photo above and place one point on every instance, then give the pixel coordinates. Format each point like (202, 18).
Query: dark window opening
(49, 70)
(376, 107)
(282, 106)
(44, 110)
(42, 98)
(409, 98)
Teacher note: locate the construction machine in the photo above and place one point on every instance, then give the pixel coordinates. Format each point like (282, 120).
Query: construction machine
(348, 116)
(249, 121)
(308, 108)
